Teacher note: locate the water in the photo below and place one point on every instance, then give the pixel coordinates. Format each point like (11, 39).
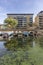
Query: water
(24, 42)
(2, 45)
(25, 51)
(2, 48)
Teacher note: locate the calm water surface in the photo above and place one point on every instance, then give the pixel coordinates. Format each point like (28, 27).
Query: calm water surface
(31, 43)
(29, 52)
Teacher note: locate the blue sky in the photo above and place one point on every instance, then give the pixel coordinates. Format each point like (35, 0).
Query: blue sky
(19, 6)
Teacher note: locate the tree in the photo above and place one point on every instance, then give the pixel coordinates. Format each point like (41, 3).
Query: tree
(35, 24)
(10, 22)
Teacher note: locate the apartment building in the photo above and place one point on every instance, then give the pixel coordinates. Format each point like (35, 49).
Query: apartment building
(24, 20)
(39, 19)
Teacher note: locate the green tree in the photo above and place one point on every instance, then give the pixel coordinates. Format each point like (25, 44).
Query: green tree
(10, 22)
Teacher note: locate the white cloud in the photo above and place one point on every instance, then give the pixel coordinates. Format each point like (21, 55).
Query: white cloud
(2, 14)
(38, 6)
(20, 6)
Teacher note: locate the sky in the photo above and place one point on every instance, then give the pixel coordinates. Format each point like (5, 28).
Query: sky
(19, 6)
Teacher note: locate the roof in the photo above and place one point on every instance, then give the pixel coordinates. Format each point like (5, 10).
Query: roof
(41, 12)
(20, 14)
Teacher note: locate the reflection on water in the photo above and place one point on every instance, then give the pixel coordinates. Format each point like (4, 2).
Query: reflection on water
(22, 43)
(24, 51)
(2, 45)
(2, 48)
(33, 43)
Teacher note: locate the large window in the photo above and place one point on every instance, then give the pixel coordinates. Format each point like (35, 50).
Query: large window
(21, 21)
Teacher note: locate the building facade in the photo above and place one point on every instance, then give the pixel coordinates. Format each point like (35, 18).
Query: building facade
(39, 20)
(24, 20)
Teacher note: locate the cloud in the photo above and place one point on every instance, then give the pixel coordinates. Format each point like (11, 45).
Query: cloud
(2, 14)
(38, 6)
(19, 6)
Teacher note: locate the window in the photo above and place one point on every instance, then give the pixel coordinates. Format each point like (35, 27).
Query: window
(21, 21)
